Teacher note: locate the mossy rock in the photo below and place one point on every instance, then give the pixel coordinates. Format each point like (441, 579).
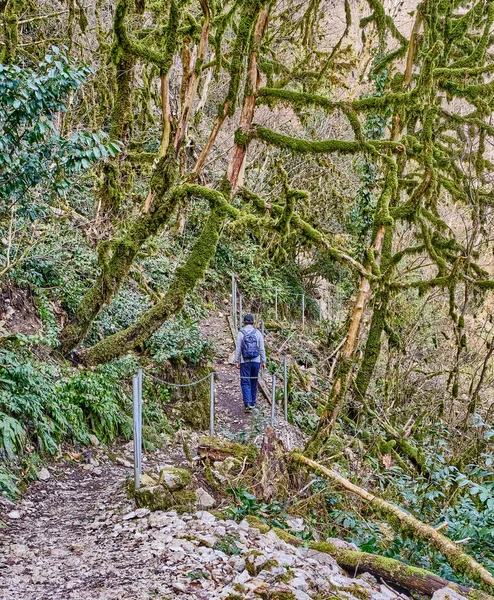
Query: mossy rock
(158, 497)
(210, 478)
(257, 523)
(174, 478)
(154, 497)
(291, 539)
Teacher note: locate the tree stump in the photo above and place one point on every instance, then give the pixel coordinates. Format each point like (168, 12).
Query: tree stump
(270, 472)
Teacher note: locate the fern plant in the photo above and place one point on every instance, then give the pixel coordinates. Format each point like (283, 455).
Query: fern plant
(40, 408)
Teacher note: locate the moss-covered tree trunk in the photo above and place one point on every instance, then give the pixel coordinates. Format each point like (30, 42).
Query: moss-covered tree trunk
(11, 12)
(378, 323)
(184, 281)
(315, 445)
(116, 257)
(109, 193)
(373, 344)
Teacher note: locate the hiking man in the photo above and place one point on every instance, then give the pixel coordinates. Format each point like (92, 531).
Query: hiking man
(250, 356)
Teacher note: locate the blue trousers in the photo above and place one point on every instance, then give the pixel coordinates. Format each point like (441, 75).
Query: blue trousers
(249, 386)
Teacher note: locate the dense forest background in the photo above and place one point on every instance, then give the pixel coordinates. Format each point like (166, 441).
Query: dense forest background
(342, 150)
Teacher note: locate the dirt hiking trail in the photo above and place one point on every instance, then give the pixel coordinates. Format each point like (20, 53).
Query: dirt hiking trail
(232, 421)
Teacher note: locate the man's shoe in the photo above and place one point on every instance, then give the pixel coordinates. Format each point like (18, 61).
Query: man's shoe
(248, 409)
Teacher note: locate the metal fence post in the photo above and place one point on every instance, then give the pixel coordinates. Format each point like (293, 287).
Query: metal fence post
(135, 398)
(276, 304)
(211, 404)
(329, 308)
(303, 310)
(234, 301)
(285, 388)
(237, 318)
(273, 398)
(241, 313)
(139, 379)
(262, 333)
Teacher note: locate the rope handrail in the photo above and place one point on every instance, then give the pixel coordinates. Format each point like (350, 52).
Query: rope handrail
(281, 291)
(190, 384)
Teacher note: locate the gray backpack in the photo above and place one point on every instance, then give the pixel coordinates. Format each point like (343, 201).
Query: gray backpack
(250, 345)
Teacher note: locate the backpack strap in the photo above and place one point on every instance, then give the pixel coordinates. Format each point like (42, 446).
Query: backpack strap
(254, 330)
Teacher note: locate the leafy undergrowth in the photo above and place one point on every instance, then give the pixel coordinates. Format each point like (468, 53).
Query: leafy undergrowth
(458, 500)
(43, 406)
(45, 403)
(273, 514)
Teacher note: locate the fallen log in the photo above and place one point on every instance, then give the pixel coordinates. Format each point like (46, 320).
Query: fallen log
(392, 571)
(410, 526)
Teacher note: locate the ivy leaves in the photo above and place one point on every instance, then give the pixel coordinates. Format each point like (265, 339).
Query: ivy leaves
(36, 161)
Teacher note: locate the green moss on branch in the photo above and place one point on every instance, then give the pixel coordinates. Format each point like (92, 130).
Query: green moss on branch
(305, 146)
(162, 58)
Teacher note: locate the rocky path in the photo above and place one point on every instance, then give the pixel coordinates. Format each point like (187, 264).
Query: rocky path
(76, 536)
(61, 541)
(56, 545)
(88, 544)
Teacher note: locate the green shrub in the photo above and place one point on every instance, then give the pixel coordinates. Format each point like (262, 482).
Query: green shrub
(41, 408)
(179, 339)
(104, 402)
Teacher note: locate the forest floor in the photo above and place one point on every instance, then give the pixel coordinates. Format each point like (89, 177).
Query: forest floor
(78, 537)
(71, 537)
